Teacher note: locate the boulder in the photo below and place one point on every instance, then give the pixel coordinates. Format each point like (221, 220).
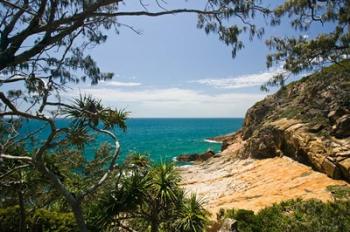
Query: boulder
(345, 167)
(206, 155)
(316, 128)
(187, 157)
(331, 169)
(335, 114)
(195, 157)
(229, 225)
(342, 127)
(254, 117)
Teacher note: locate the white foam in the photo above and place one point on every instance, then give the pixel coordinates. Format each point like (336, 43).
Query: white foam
(211, 141)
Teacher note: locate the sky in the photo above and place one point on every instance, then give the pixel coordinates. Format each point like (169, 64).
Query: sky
(173, 69)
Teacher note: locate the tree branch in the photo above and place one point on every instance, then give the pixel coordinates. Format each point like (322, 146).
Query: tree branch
(155, 14)
(13, 170)
(17, 7)
(13, 157)
(94, 187)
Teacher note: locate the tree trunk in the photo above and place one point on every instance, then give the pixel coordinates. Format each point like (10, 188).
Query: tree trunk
(78, 214)
(154, 226)
(22, 214)
(74, 203)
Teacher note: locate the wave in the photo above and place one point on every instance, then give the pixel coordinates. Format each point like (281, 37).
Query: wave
(211, 141)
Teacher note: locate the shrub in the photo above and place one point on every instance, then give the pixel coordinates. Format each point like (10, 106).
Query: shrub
(296, 215)
(39, 220)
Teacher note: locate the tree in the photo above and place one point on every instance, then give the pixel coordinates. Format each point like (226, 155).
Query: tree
(192, 216)
(303, 53)
(42, 50)
(150, 199)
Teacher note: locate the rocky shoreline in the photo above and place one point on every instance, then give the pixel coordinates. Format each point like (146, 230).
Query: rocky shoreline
(231, 182)
(195, 157)
(292, 145)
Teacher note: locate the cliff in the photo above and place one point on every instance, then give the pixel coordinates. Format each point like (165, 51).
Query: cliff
(307, 120)
(288, 143)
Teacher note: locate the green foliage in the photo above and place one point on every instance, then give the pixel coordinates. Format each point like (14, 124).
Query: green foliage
(89, 112)
(9, 219)
(137, 160)
(39, 220)
(339, 192)
(296, 215)
(165, 181)
(192, 216)
(302, 53)
(230, 33)
(54, 221)
(148, 198)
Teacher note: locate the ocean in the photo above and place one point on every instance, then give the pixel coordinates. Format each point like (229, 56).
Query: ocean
(162, 139)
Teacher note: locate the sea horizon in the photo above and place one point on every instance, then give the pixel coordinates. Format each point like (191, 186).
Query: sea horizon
(160, 138)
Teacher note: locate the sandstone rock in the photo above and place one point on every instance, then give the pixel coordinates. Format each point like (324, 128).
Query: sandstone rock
(331, 169)
(195, 157)
(316, 128)
(339, 159)
(316, 160)
(228, 139)
(225, 145)
(254, 117)
(345, 168)
(344, 154)
(335, 114)
(206, 155)
(308, 120)
(187, 157)
(342, 127)
(229, 225)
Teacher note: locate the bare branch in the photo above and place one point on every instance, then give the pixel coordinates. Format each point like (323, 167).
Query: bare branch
(17, 7)
(13, 157)
(94, 187)
(155, 14)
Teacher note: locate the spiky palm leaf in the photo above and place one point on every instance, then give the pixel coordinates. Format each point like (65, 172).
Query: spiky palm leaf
(87, 111)
(165, 183)
(192, 216)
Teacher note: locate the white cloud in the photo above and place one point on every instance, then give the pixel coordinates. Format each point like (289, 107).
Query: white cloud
(242, 81)
(176, 102)
(119, 84)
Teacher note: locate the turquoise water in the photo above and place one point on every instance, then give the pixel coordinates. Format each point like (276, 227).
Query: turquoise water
(162, 139)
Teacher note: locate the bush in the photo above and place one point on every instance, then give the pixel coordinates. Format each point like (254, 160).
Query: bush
(296, 215)
(39, 220)
(9, 219)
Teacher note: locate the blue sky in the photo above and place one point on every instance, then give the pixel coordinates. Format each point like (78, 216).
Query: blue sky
(174, 69)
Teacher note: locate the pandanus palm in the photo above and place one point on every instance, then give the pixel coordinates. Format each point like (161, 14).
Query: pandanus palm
(192, 216)
(151, 200)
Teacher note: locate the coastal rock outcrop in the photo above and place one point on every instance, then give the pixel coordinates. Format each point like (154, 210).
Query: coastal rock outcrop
(307, 120)
(227, 140)
(195, 157)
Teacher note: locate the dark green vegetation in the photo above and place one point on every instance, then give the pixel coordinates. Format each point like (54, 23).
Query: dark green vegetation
(137, 196)
(297, 215)
(38, 220)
